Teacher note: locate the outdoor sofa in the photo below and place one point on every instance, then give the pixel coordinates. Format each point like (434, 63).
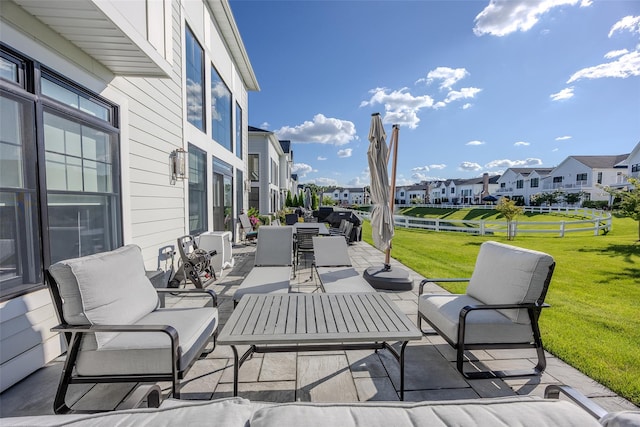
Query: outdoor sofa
(237, 412)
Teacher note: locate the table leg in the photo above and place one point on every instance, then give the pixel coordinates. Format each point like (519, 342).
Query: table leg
(404, 345)
(236, 369)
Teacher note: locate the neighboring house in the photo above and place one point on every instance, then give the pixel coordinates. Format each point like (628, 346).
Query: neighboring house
(588, 175)
(412, 194)
(99, 102)
(632, 164)
(471, 191)
(521, 183)
(269, 170)
(347, 196)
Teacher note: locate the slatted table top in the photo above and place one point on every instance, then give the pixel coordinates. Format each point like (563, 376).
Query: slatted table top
(316, 318)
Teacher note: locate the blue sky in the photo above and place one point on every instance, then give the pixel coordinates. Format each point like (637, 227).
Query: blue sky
(476, 86)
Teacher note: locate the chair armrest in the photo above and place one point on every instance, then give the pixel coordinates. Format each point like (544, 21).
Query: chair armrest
(92, 329)
(554, 391)
(211, 293)
(469, 308)
(427, 280)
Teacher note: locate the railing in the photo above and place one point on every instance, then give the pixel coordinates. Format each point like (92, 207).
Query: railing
(596, 221)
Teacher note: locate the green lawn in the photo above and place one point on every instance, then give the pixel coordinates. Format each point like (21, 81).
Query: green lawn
(594, 320)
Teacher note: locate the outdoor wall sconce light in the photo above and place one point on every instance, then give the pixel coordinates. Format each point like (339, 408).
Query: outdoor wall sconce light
(178, 162)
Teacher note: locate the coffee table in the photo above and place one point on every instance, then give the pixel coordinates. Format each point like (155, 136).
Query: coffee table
(316, 322)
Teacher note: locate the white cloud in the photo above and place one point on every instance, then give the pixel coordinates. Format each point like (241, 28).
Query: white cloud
(563, 138)
(625, 66)
(302, 169)
(401, 107)
(420, 169)
(322, 158)
(475, 142)
(502, 17)
(438, 167)
(565, 93)
(521, 144)
(324, 181)
(447, 76)
(358, 182)
(464, 93)
(615, 53)
(345, 153)
(264, 125)
(469, 166)
(630, 23)
(505, 163)
(322, 130)
(466, 106)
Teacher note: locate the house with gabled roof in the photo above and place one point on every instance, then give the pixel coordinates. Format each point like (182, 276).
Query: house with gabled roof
(587, 175)
(521, 183)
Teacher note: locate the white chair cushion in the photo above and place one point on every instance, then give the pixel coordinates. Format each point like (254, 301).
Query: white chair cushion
(507, 274)
(144, 353)
(486, 326)
(105, 288)
(505, 412)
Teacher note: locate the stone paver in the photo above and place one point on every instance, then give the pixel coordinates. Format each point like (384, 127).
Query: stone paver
(332, 376)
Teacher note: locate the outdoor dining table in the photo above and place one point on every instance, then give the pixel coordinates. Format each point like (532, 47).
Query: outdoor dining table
(316, 322)
(323, 230)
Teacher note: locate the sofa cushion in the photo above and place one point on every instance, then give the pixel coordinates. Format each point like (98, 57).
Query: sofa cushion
(507, 274)
(275, 246)
(105, 288)
(144, 353)
(621, 419)
(264, 280)
(232, 412)
(343, 280)
(485, 326)
(481, 412)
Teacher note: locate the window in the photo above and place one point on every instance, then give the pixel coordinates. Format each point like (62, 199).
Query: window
(221, 130)
(222, 196)
(197, 190)
(581, 177)
(402, 194)
(600, 176)
(634, 168)
(238, 131)
(240, 190)
(557, 179)
(254, 167)
(520, 183)
(503, 185)
(274, 172)
(535, 182)
(77, 210)
(194, 64)
(453, 190)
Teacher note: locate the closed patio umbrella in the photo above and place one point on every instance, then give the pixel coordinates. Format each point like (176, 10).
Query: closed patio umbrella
(381, 215)
(307, 198)
(382, 210)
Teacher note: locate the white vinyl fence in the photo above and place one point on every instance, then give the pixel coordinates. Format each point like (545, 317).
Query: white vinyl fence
(596, 221)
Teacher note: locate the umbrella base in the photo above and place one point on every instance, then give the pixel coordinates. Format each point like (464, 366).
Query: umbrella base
(394, 279)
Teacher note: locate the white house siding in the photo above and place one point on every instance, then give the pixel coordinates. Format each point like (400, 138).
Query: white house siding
(152, 125)
(569, 169)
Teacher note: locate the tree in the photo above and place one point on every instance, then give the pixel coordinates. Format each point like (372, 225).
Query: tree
(629, 200)
(288, 202)
(328, 201)
(510, 211)
(294, 202)
(573, 198)
(314, 201)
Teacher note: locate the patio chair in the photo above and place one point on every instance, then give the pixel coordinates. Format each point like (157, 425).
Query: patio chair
(304, 241)
(273, 263)
(345, 229)
(333, 267)
(114, 329)
(500, 309)
(248, 233)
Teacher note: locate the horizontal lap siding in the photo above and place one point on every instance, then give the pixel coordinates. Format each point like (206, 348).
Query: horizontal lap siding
(26, 342)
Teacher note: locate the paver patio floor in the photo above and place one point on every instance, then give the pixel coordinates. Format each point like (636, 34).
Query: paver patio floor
(335, 376)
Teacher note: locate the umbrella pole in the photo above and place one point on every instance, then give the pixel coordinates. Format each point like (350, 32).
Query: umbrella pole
(394, 142)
